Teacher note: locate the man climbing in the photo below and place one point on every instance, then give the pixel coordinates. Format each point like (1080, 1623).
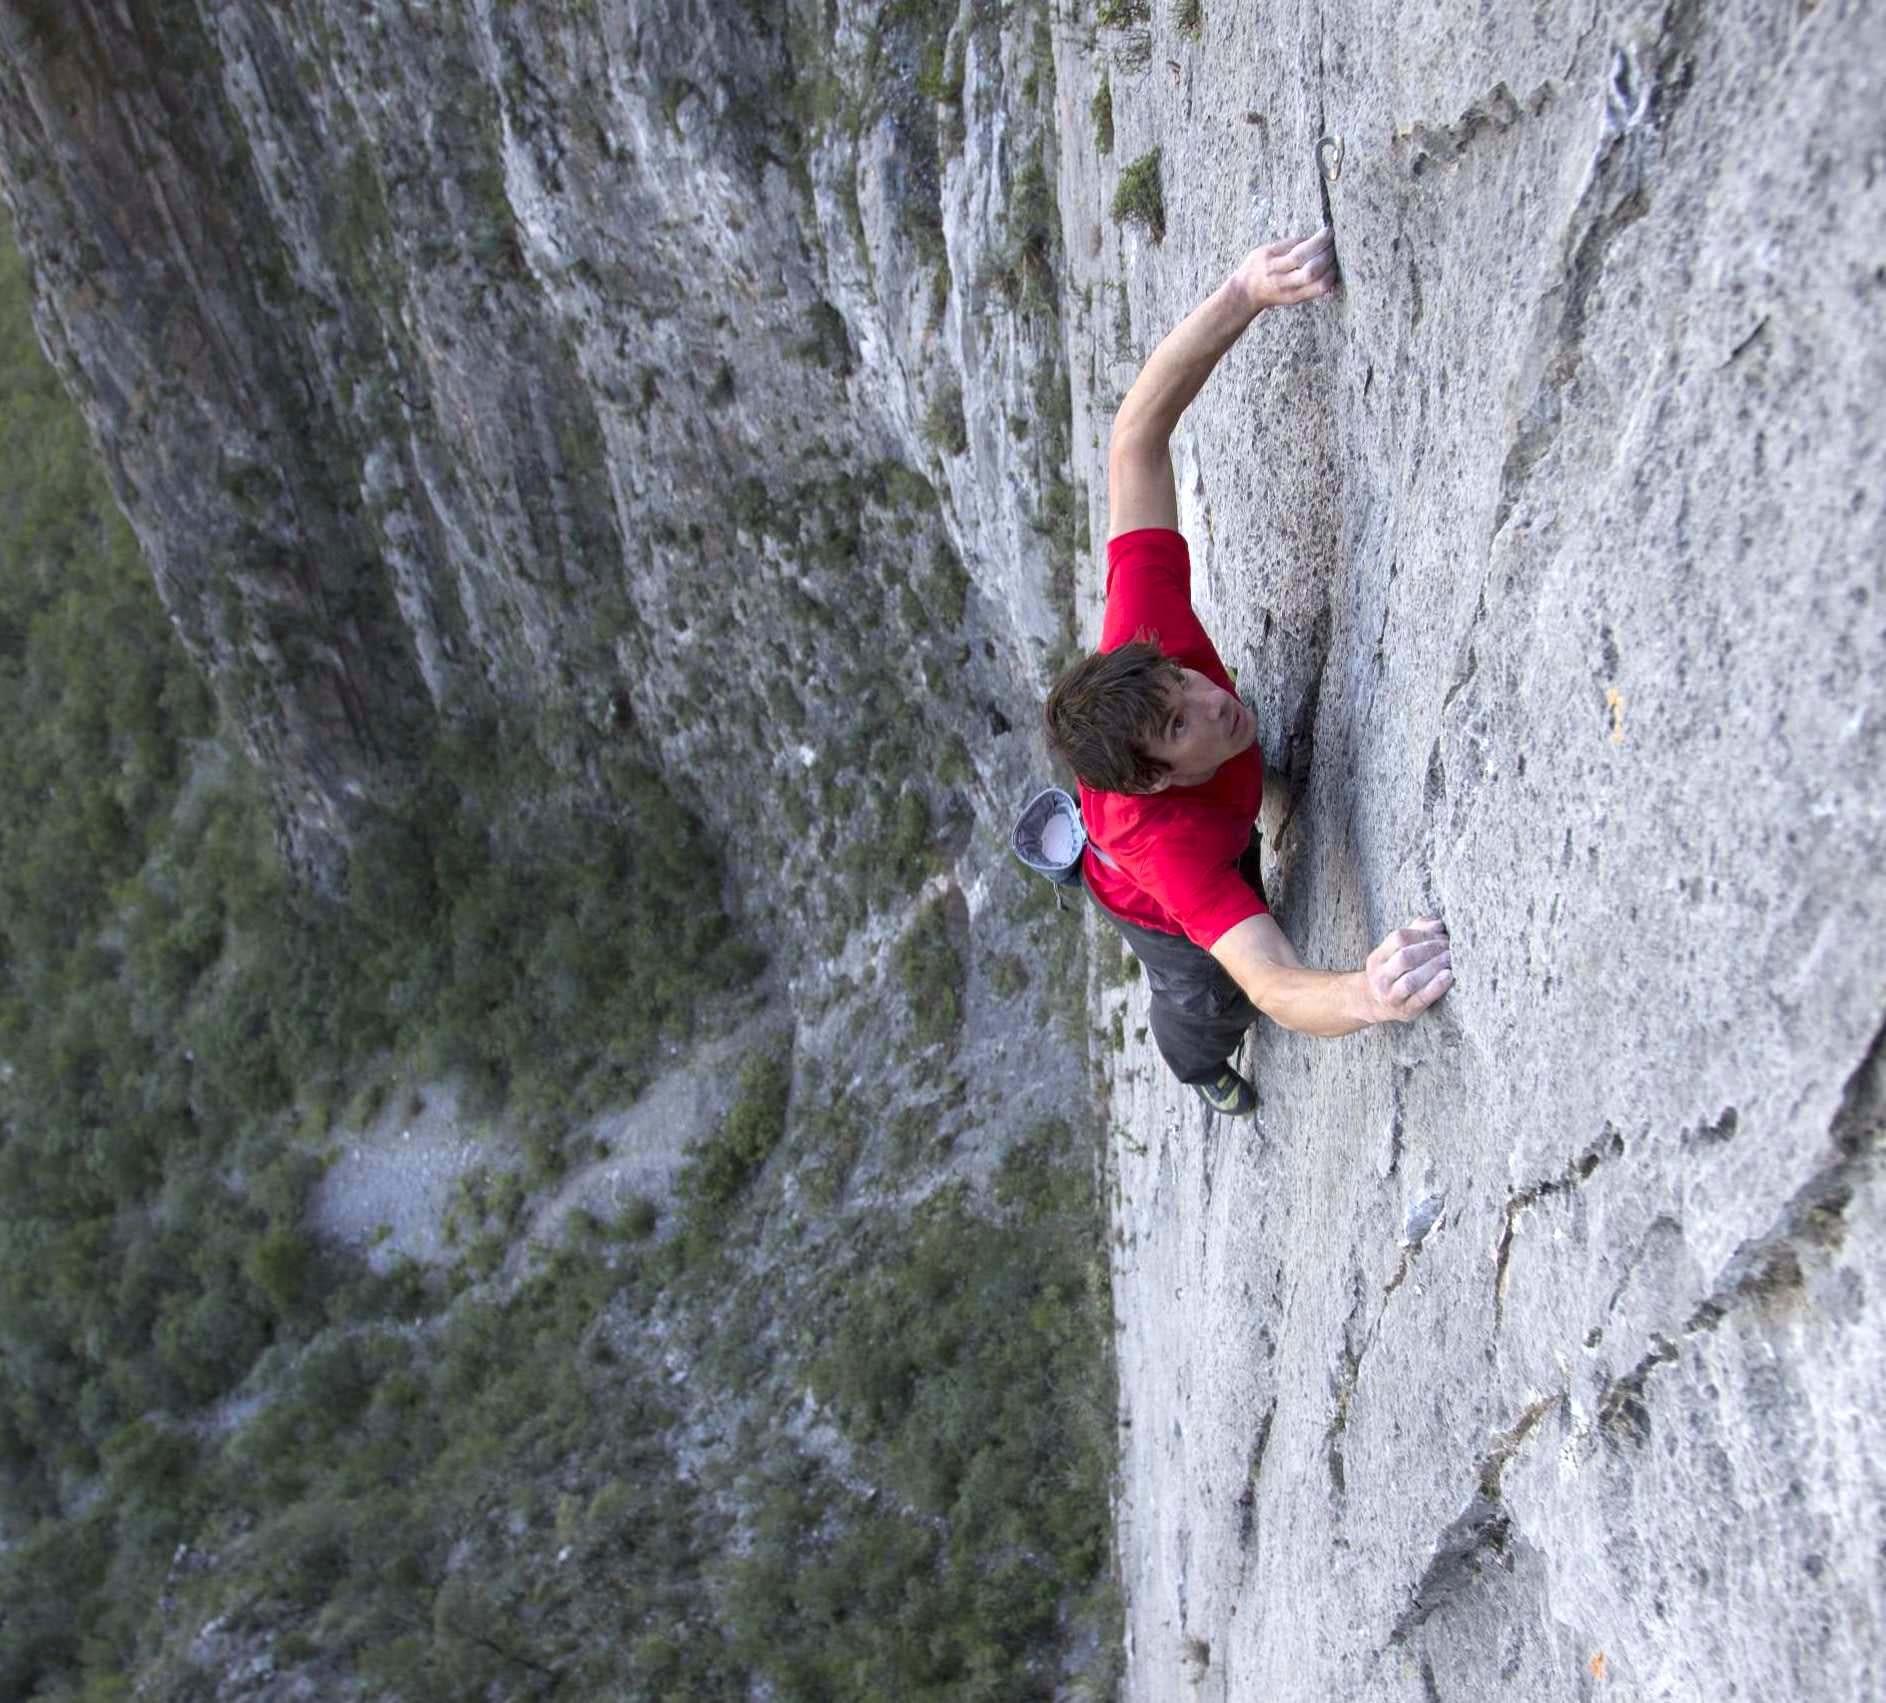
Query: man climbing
(1170, 773)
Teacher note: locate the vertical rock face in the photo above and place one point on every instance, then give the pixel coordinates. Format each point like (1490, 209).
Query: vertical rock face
(637, 371)
(168, 300)
(1528, 1351)
(696, 376)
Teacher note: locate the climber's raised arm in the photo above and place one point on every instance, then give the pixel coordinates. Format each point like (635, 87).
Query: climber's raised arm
(1406, 974)
(1139, 462)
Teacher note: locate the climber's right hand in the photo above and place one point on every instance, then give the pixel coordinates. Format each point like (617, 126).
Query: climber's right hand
(1409, 971)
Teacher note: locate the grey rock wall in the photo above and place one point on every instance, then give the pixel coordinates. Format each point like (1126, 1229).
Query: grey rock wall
(666, 374)
(569, 363)
(1530, 1350)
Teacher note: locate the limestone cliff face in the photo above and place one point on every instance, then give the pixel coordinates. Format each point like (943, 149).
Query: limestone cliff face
(696, 376)
(652, 373)
(1530, 1351)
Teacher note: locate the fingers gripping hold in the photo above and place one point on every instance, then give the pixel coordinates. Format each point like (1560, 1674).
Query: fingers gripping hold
(1418, 977)
(1291, 270)
(1308, 263)
(1411, 969)
(1318, 247)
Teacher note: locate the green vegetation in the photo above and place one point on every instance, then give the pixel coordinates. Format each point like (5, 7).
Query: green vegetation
(858, 826)
(638, 1219)
(1119, 14)
(401, 1506)
(718, 1169)
(176, 1022)
(945, 588)
(968, 1367)
(1116, 965)
(1141, 198)
(931, 971)
(914, 37)
(1189, 17)
(827, 342)
(940, 78)
(833, 1137)
(1063, 517)
(1022, 270)
(359, 232)
(453, 1482)
(1102, 110)
(1056, 952)
(1008, 975)
(944, 427)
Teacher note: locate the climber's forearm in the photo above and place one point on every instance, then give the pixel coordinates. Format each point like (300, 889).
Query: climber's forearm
(1405, 974)
(1140, 490)
(1177, 370)
(1326, 1003)
(1264, 964)
(1280, 274)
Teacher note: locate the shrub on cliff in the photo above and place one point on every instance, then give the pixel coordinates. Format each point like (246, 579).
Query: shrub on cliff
(931, 970)
(167, 994)
(1141, 198)
(718, 1168)
(969, 1368)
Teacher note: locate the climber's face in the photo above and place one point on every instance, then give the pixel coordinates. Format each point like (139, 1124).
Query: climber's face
(1205, 727)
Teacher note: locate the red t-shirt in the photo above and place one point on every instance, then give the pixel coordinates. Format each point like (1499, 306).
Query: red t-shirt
(1176, 851)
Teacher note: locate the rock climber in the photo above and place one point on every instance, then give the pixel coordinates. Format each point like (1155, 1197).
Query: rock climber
(1167, 756)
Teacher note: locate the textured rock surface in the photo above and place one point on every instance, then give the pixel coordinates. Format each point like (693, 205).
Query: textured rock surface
(570, 361)
(583, 361)
(678, 385)
(1550, 555)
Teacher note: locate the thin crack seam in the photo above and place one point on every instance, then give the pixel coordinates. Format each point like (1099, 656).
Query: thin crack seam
(1769, 1264)
(1481, 1526)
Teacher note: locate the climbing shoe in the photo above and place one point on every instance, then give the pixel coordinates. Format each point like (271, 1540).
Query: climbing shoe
(1228, 1094)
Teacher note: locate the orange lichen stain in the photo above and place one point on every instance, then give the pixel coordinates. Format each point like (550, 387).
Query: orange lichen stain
(1597, 1665)
(1614, 702)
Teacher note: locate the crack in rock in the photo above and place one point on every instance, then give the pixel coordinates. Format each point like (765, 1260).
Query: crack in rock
(1247, 1497)
(1205, 1165)
(1558, 345)
(1420, 1224)
(1644, 85)
(1470, 664)
(1610, 1145)
(1767, 1268)
(1747, 343)
(1343, 1388)
(1398, 1118)
(1621, 1409)
(1299, 741)
(1478, 1533)
(1444, 145)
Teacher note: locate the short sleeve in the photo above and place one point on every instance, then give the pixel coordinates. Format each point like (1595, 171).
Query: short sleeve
(1175, 857)
(1149, 588)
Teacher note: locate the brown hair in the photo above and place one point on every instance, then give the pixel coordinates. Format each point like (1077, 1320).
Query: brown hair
(1101, 710)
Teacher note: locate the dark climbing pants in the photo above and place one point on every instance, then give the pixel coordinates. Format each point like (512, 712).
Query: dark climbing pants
(1199, 1014)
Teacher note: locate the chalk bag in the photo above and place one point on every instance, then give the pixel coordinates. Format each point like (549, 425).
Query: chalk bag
(1050, 836)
